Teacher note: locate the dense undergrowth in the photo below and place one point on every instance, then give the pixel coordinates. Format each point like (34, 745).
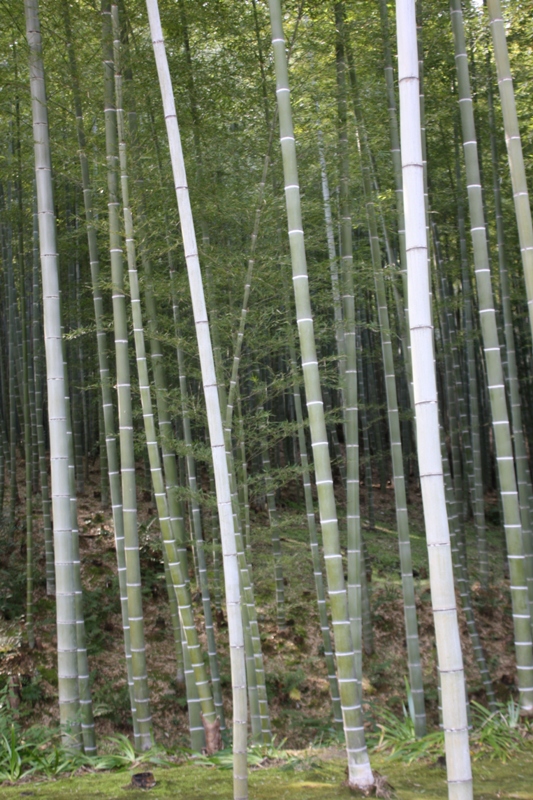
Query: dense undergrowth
(38, 752)
(30, 748)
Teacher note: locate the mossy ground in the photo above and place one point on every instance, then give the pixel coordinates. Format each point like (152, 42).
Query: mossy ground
(320, 779)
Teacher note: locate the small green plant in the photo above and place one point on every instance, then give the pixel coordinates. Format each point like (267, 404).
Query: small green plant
(284, 685)
(31, 691)
(499, 733)
(397, 739)
(124, 756)
(98, 604)
(39, 751)
(259, 757)
(11, 765)
(112, 702)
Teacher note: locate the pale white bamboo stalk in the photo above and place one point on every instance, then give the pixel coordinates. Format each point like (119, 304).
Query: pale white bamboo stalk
(67, 645)
(449, 654)
(214, 419)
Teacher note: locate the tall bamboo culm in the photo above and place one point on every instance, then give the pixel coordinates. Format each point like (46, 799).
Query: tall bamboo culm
(523, 478)
(125, 419)
(112, 472)
(496, 386)
(450, 661)
(177, 573)
(350, 407)
(313, 542)
(69, 706)
(214, 419)
(359, 771)
(402, 521)
(514, 147)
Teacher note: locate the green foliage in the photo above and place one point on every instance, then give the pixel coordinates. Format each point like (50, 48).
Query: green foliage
(14, 757)
(501, 733)
(49, 674)
(398, 739)
(112, 702)
(13, 582)
(124, 755)
(285, 685)
(98, 604)
(259, 756)
(31, 691)
(38, 751)
(498, 734)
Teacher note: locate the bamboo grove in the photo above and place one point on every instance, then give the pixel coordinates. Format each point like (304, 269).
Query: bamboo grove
(248, 249)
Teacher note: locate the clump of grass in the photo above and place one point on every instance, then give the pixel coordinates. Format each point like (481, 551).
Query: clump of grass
(501, 733)
(259, 757)
(497, 734)
(39, 751)
(398, 740)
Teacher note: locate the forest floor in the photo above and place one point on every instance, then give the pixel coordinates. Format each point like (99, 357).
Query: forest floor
(295, 671)
(318, 776)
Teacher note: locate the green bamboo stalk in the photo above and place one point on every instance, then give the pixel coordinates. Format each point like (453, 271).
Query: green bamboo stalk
(359, 771)
(313, 542)
(500, 422)
(28, 475)
(25, 380)
(176, 625)
(520, 453)
(3, 450)
(333, 263)
(371, 517)
(72, 359)
(86, 709)
(411, 626)
(43, 469)
(452, 399)
(351, 416)
(103, 461)
(63, 539)
(79, 410)
(165, 428)
(514, 147)
(273, 519)
(241, 446)
(449, 655)
(127, 455)
(407, 425)
(27, 438)
(473, 394)
(12, 379)
(196, 728)
(215, 550)
(109, 463)
(251, 677)
(461, 578)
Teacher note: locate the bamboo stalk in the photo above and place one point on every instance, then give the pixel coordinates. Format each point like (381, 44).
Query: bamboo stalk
(231, 570)
(449, 655)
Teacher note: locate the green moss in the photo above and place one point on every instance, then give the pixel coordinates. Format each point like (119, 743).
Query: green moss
(319, 780)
